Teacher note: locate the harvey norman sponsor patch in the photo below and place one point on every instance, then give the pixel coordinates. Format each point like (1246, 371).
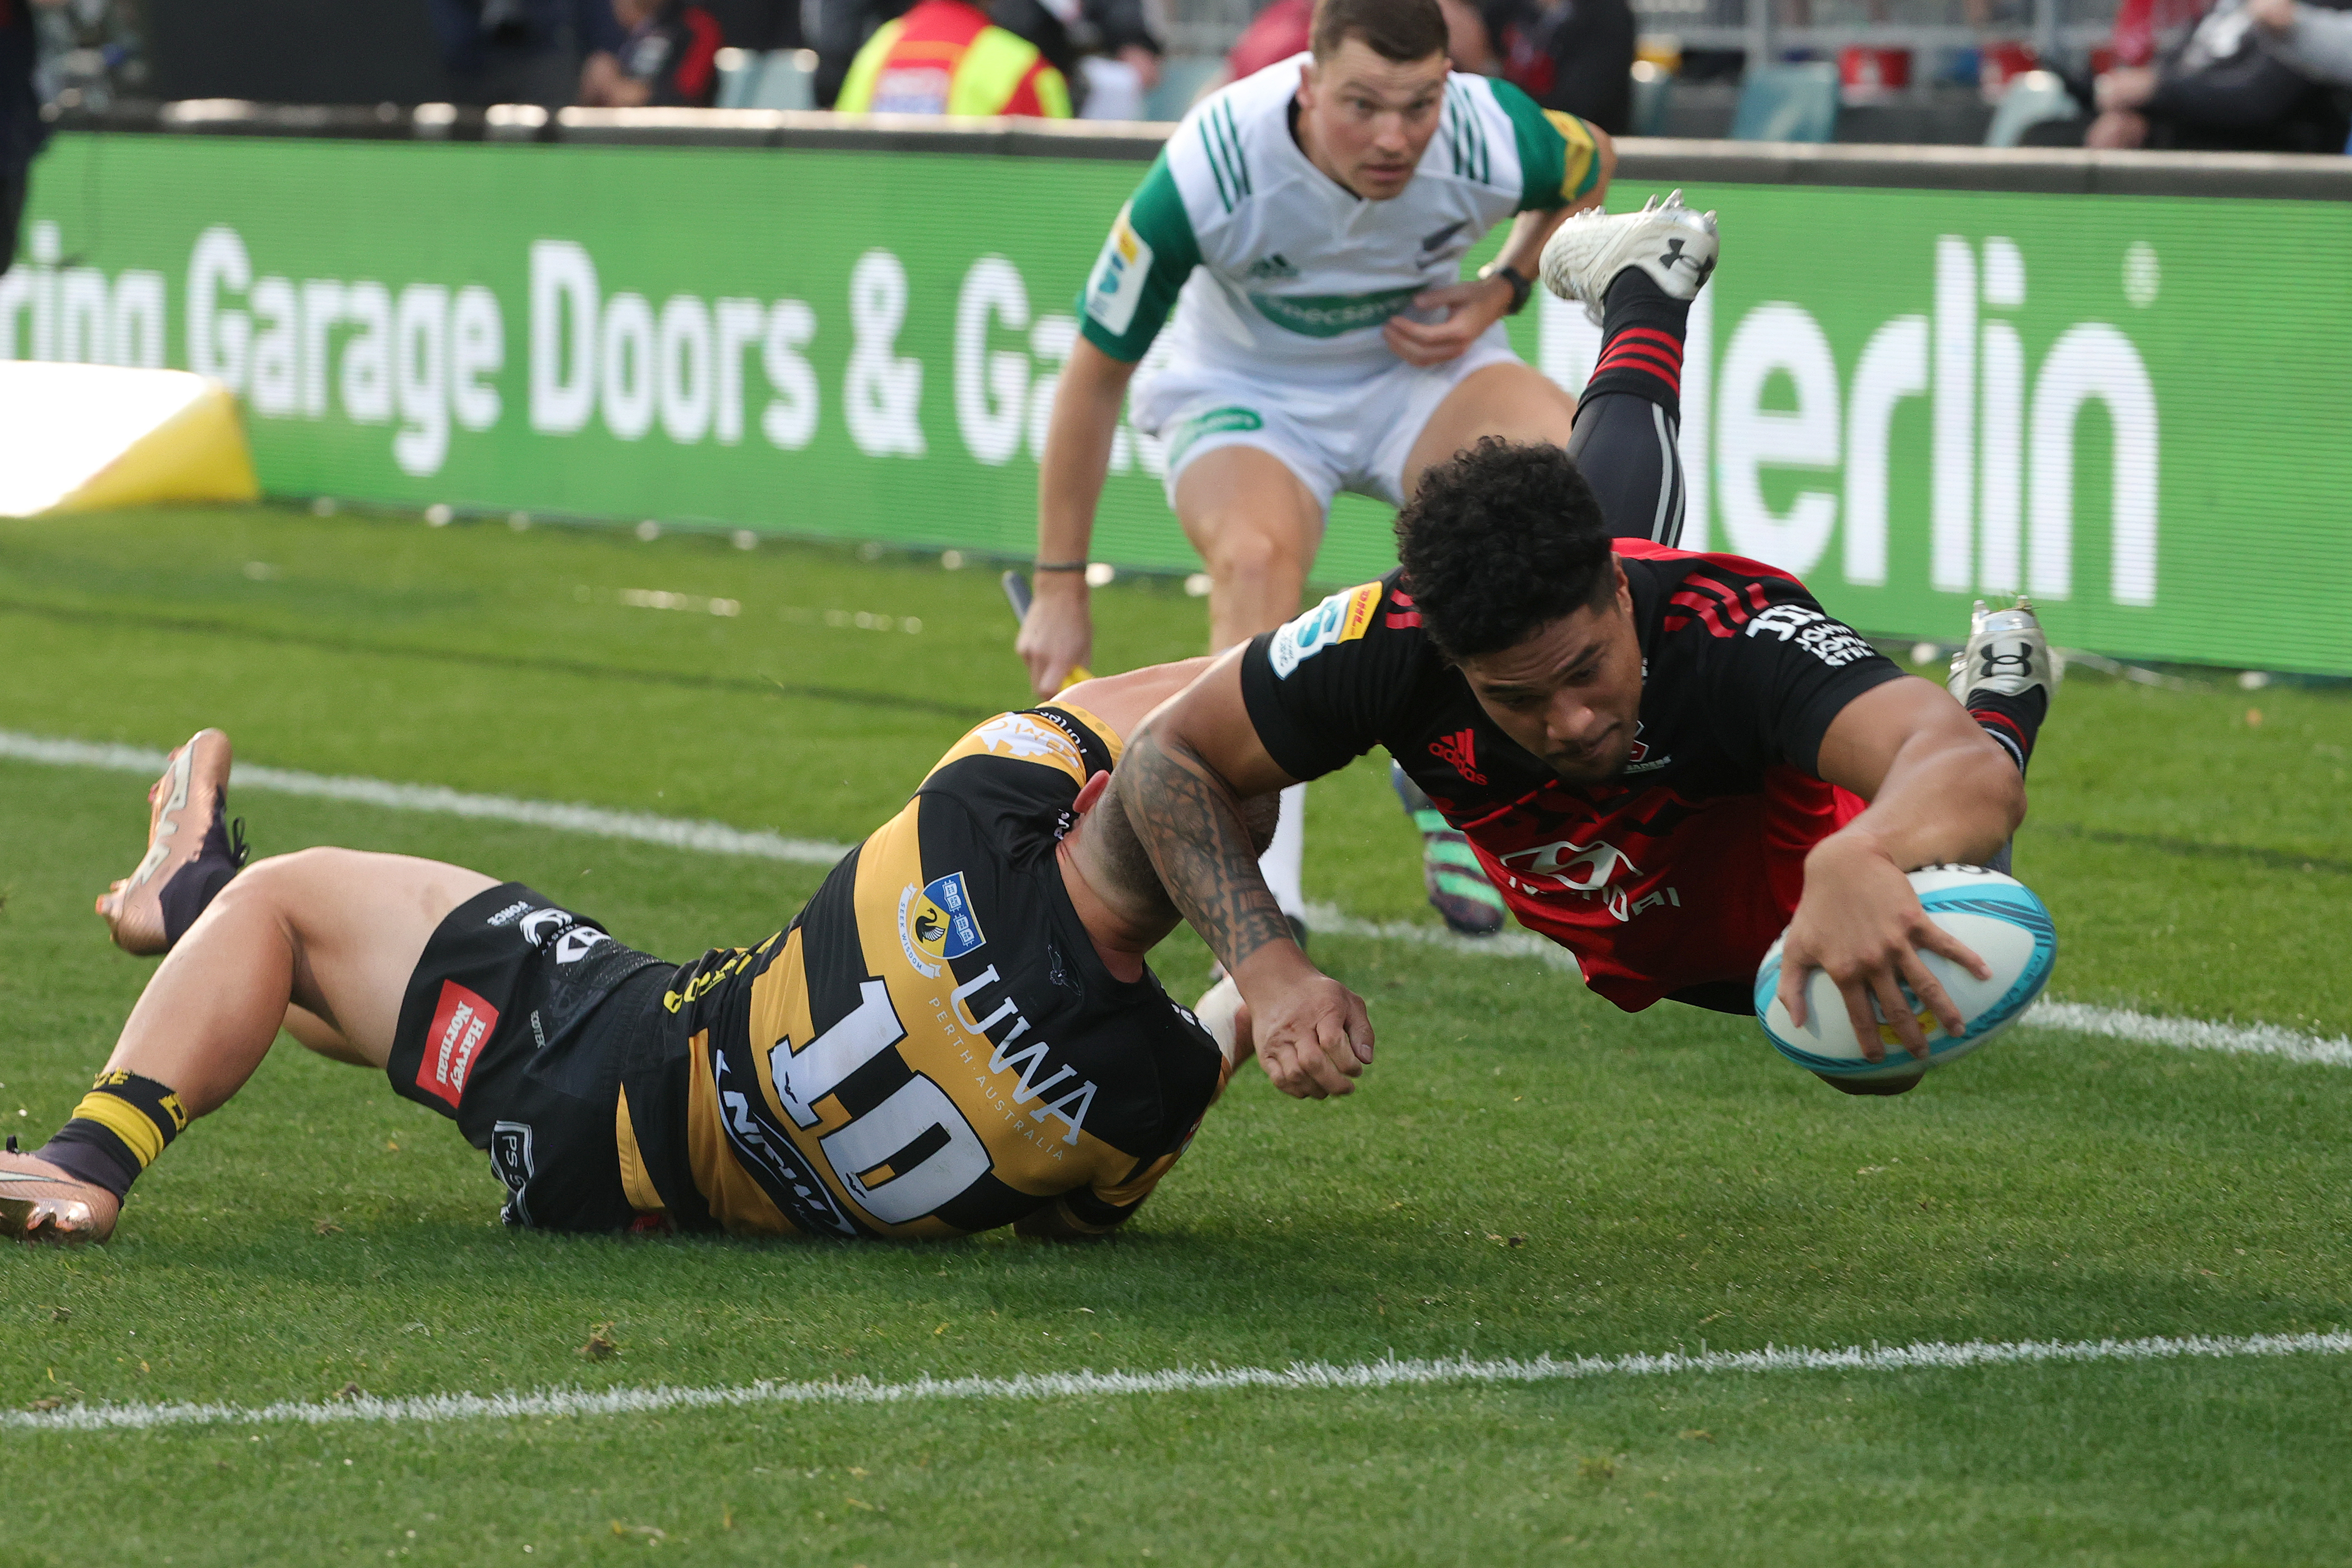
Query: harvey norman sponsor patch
(1342, 617)
(462, 1025)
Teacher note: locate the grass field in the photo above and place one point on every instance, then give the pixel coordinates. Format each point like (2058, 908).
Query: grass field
(1525, 1172)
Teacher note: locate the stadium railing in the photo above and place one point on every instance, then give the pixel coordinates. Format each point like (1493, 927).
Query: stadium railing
(2053, 169)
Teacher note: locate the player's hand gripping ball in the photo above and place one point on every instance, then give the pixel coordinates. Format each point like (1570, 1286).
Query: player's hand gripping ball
(1997, 916)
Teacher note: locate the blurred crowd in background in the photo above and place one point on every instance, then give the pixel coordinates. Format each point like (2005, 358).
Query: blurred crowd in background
(2251, 75)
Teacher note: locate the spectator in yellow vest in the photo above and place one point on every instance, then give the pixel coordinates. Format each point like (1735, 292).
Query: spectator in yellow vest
(944, 56)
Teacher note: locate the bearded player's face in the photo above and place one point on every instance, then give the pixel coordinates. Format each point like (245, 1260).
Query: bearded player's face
(1371, 117)
(1572, 693)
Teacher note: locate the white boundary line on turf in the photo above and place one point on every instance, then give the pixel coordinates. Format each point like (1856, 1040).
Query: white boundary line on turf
(2192, 1033)
(1299, 1376)
(717, 839)
(644, 828)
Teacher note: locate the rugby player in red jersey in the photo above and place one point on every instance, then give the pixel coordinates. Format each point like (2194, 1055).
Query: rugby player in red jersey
(958, 1032)
(1662, 758)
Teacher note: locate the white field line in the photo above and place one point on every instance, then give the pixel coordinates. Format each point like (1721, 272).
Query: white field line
(1299, 1376)
(2192, 1033)
(644, 828)
(717, 839)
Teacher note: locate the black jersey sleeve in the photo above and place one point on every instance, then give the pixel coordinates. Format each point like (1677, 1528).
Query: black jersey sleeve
(1782, 668)
(1325, 688)
(1018, 773)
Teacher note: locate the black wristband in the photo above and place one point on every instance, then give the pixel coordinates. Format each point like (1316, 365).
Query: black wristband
(1057, 566)
(1520, 287)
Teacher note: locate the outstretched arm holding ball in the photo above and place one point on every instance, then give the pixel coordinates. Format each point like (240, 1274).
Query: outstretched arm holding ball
(1939, 789)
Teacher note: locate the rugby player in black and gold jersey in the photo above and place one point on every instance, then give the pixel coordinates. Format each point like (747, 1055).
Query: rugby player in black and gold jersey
(957, 1033)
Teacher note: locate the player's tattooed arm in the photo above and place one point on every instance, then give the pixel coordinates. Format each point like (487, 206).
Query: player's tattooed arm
(1195, 829)
(1187, 784)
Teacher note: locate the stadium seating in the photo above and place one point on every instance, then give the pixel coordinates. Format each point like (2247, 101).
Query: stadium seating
(1788, 103)
(772, 79)
(2034, 98)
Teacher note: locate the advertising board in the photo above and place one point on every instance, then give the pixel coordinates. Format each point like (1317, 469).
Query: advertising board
(2129, 406)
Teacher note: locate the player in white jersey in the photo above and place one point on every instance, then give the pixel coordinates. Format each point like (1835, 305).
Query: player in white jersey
(1310, 220)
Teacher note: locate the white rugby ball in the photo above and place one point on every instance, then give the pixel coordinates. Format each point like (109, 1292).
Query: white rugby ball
(2000, 921)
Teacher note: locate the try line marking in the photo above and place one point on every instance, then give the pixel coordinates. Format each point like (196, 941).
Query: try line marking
(1299, 1376)
(717, 839)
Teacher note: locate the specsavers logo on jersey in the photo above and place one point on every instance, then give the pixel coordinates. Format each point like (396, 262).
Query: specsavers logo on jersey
(935, 923)
(1342, 617)
(1118, 281)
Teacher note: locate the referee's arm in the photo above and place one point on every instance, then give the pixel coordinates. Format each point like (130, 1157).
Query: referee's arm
(1057, 636)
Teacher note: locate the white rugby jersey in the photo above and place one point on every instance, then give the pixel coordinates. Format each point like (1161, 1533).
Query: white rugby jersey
(1285, 272)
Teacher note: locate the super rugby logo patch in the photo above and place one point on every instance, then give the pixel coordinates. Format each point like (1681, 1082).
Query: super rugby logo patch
(1342, 617)
(935, 923)
(1117, 285)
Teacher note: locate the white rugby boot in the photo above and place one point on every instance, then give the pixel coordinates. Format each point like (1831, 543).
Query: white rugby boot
(2006, 653)
(1674, 245)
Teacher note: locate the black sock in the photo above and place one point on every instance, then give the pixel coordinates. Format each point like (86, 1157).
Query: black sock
(1642, 332)
(117, 1131)
(192, 889)
(2012, 721)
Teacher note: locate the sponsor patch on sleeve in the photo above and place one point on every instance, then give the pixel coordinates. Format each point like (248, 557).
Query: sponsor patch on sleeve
(1832, 642)
(937, 923)
(1116, 284)
(1342, 617)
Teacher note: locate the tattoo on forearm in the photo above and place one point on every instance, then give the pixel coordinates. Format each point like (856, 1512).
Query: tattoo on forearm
(1193, 830)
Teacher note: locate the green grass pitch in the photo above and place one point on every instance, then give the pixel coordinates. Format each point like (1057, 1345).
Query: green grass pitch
(1674, 1183)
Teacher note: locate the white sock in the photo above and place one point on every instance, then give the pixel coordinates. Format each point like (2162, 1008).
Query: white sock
(1285, 860)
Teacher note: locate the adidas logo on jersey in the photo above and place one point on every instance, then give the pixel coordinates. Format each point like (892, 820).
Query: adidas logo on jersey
(1275, 268)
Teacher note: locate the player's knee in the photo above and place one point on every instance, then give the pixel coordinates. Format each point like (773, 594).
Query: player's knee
(281, 883)
(1244, 548)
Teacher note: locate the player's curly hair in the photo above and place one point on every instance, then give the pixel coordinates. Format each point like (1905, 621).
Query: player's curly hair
(1498, 539)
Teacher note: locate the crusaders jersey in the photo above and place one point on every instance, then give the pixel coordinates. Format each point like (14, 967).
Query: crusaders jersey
(1285, 271)
(933, 1047)
(1681, 871)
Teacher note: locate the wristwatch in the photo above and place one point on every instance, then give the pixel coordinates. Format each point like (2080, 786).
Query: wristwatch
(1520, 287)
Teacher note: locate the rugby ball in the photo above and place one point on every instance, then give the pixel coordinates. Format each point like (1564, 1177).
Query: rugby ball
(2001, 922)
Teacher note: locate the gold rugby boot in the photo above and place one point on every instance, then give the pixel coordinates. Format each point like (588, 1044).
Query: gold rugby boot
(193, 850)
(40, 1203)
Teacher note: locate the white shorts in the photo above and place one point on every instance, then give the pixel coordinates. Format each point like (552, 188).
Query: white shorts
(1354, 436)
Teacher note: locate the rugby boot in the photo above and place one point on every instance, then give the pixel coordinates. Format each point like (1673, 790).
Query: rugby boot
(2006, 653)
(1456, 883)
(193, 850)
(39, 1202)
(1674, 245)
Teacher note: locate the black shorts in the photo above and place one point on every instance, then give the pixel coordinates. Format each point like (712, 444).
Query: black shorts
(518, 1025)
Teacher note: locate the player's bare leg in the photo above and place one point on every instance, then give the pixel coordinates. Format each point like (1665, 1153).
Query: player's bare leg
(1520, 405)
(1256, 527)
(1517, 401)
(322, 941)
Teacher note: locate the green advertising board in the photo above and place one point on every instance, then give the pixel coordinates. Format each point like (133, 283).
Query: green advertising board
(2129, 406)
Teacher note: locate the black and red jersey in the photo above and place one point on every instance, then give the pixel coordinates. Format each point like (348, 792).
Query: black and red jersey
(1683, 871)
(674, 53)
